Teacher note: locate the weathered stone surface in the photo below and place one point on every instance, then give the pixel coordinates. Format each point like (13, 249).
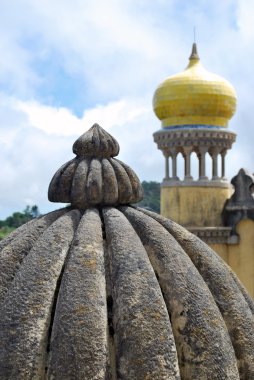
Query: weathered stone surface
(109, 182)
(144, 342)
(79, 182)
(26, 313)
(194, 315)
(95, 182)
(233, 304)
(96, 142)
(123, 182)
(78, 348)
(242, 290)
(137, 190)
(61, 183)
(17, 246)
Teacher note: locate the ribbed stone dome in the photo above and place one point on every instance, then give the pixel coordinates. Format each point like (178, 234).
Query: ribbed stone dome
(194, 97)
(119, 292)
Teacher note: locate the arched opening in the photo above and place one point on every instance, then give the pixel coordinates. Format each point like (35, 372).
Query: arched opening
(180, 166)
(194, 166)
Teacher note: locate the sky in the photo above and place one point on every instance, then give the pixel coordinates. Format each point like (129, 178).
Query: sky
(65, 65)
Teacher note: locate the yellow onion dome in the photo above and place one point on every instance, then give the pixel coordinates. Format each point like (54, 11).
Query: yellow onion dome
(194, 97)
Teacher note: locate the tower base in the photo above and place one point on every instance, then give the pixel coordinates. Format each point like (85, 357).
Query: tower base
(195, 203)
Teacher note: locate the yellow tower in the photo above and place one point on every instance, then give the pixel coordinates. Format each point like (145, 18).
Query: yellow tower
(194, 107)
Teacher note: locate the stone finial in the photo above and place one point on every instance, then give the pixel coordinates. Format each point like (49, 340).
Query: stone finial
(94, 177)
(241, 204)
(96, 142)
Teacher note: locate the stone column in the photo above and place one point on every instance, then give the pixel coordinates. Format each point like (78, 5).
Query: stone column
(223, 154)
(187, 163)
(199, 164)
(214, 154)
(174, 163)
(166, 155)
(202, 167)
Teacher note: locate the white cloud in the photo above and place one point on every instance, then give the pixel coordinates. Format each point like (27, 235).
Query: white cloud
(62, 122)
(56, 121)
(245, 20)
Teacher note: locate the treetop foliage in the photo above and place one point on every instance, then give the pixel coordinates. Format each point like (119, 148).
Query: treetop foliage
(19, 218)
(151, 199)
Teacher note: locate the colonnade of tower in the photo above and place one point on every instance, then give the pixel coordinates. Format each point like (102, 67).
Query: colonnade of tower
(204, 143)
(202, 157)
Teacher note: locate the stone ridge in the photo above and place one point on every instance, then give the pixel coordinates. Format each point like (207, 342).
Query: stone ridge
(94, 178)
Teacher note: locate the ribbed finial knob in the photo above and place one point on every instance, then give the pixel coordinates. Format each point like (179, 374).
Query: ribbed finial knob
(94, 177)
(96, 142)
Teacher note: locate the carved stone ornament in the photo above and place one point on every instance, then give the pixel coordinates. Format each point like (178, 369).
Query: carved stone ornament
(241, 204)
(94, 177)
(100, 290)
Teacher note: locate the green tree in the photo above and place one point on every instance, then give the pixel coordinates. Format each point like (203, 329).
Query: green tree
(32, 211)
(17, 219)
(151, 199)
(4, 231)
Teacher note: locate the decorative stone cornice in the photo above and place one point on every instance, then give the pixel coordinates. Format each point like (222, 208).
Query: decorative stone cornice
(215, 235)
(167, 138)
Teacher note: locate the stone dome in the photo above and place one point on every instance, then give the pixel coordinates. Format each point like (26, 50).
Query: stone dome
(194, 96)
(105, 290)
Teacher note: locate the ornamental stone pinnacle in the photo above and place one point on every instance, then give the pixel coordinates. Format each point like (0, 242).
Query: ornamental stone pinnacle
(94, 177)
(96, 143)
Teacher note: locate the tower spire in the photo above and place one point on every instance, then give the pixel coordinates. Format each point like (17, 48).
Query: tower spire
(194, 51)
